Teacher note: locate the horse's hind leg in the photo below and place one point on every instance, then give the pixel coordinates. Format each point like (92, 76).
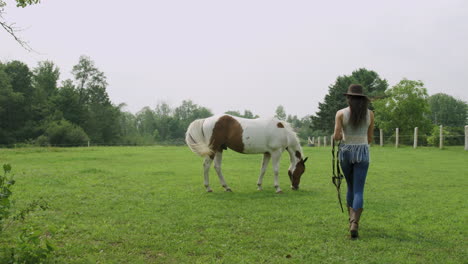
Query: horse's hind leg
(217, 165)
(206, 170)
(266, 159)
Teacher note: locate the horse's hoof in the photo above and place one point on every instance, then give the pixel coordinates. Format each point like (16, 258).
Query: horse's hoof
(279, 191)
(228, 190)
(259, 189)
(209, 190)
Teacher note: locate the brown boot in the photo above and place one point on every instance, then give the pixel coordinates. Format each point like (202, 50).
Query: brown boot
(349, 216)
(354, 217)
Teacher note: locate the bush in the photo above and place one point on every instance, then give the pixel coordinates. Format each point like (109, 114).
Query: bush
(63, 133)
(42, 141)
(453, 136)
(31, 246)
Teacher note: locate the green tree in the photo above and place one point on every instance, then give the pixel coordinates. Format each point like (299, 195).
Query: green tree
(304, 128)
(186, 113)
(44, 81)
(102, 123)
(233, 113)
(20, 109)
(373, 85)
(280, 113)
(165, 123)
(67, 102)
(405, 107)
(447, 111)
(128, 127)
(45, 78)
(247, 114)
(9, 101)
(87, 78)
(189, 111)
(146, 121)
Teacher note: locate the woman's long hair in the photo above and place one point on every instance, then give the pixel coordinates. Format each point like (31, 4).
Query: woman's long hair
(358, 106)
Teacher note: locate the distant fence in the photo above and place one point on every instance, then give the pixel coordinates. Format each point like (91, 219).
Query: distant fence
(318, 141)
(97, 144)
(395, 139)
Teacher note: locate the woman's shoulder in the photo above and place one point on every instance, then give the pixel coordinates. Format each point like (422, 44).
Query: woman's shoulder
(341, 111)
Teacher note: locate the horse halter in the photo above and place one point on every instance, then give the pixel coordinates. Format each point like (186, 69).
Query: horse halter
(337, 175)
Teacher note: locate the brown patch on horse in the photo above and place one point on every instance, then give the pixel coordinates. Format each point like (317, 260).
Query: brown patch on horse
(298, 155)
(227, 133)
(295, 176)
(280, 125)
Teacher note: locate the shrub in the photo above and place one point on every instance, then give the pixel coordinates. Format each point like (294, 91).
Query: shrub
(32, 246)
(452, 136)
(63, 133)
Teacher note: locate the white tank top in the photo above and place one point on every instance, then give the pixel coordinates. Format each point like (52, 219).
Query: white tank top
(354, 135)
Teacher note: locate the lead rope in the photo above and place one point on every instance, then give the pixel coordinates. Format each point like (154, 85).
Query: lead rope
(337, 175)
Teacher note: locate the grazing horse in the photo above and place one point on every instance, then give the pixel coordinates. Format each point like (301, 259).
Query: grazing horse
(210, 136)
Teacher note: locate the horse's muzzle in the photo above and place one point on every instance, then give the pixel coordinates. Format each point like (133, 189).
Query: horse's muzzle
(295, 188)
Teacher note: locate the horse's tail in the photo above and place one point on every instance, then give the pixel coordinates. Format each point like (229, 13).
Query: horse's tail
(195, 139)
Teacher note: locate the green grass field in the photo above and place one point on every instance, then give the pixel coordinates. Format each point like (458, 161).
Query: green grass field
(148, 205)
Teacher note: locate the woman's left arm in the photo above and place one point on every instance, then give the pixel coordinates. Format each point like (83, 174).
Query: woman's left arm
(370, 130)
(338, 134)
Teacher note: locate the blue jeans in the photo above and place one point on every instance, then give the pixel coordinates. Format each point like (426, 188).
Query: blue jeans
(355, 174)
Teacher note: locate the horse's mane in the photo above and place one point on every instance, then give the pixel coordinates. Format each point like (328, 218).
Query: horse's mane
(290, 129)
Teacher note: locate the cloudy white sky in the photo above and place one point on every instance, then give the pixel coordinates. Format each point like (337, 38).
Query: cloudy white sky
(246, 54)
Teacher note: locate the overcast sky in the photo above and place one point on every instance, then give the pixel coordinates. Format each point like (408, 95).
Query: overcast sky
(255, 55)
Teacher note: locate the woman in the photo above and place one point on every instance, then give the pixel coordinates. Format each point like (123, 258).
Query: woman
(354, 125)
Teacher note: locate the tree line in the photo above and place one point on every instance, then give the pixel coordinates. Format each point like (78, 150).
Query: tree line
(405, 105)
(36, 110)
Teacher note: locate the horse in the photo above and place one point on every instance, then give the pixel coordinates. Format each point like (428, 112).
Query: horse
(208, 138)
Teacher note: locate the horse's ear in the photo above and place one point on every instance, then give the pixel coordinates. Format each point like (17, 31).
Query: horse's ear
(305, 159)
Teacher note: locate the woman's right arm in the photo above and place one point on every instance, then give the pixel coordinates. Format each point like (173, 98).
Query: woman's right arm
(338, 134)
(370, 130)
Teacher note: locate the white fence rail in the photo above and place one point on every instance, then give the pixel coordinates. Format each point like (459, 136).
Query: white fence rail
(322, 141)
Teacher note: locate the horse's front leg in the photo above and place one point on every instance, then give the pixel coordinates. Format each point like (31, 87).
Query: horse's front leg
(276, 156)
(218, 158)
(266, 159)
(206, 171)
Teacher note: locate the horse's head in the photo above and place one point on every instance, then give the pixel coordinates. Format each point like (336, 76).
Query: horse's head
(295, 176)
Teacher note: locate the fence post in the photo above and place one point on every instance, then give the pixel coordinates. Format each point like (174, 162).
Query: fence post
(318, 141)
(415, 144)
(331, 140)
(466, 138)
(88, 143)
(381, 137)
(324, 141)
(441, 137)
(396, 137)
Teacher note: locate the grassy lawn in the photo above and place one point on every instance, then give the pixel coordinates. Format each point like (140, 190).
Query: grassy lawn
(148, 205)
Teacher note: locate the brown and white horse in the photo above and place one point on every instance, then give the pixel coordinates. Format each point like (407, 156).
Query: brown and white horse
(210, 136)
